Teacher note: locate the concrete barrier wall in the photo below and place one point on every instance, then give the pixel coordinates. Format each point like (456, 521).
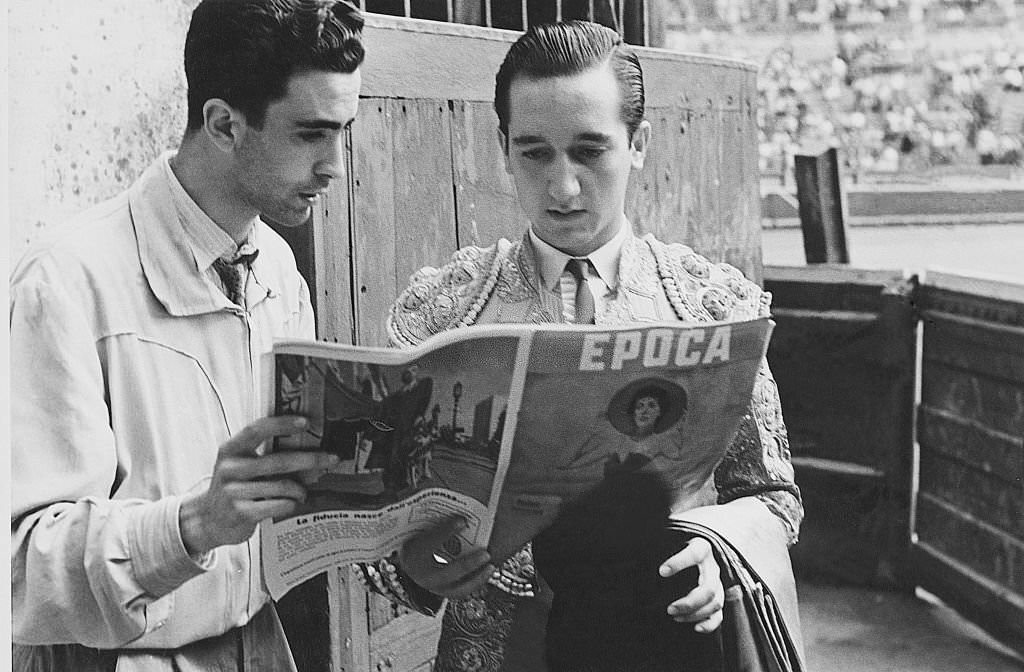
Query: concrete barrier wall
(97, 90)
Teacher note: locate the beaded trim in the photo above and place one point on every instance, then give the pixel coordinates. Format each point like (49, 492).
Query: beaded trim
(426, 294)
(720, 291)
(517, 575)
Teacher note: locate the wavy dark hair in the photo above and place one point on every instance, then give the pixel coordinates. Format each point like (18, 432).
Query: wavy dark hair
(569, 48)
(656, 393)
(245, 51)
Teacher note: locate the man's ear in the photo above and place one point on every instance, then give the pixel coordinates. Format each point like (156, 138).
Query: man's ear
(503, 141)
(222, 123)
(638, 144)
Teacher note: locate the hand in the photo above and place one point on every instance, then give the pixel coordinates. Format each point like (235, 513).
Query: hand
(248, 485)
(702, 605)
(457, 577)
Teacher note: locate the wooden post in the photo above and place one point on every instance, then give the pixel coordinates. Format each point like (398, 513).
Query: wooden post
(822, 215)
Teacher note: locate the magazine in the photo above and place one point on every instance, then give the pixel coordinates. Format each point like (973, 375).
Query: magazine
(503, 425)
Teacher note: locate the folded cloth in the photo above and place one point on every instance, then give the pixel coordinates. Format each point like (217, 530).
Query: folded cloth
(755, 635)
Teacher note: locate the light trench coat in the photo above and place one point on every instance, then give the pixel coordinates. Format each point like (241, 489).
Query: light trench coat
(129, 368)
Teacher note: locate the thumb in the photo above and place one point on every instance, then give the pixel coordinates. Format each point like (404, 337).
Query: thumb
(692, 554)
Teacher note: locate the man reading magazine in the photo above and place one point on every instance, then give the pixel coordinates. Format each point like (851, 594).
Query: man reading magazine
(570, 104)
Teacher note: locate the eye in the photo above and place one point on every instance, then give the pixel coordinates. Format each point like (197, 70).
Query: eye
(589, 153)
(312, 136)
(537, 153)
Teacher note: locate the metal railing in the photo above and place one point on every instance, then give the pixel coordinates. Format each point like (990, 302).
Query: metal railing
(630, 18)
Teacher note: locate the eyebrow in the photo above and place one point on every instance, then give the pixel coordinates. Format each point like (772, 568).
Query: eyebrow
(585, 137)
(527, 140)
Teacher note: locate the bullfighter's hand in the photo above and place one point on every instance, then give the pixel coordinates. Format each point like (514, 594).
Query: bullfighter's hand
(702, 606)
(424, 560)
(249, 484)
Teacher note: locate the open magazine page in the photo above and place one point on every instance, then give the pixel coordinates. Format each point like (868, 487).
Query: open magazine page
(421, 435)
(617, 413)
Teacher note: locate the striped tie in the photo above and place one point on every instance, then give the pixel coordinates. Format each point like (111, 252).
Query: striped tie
(584, 298)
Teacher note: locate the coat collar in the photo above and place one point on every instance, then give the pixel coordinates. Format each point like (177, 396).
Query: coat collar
(176, 248)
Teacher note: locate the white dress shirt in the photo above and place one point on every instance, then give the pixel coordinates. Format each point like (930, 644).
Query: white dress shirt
(602, 272)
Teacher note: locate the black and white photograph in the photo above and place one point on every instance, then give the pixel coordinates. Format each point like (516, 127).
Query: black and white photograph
(515, 335)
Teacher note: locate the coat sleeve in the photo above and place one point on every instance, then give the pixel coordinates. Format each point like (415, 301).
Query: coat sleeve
(84, 568)
(757, 462)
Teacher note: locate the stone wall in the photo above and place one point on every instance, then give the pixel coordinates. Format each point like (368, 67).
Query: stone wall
(97, 90)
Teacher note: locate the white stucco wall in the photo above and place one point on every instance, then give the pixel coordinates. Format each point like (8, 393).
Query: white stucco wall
(97, 90)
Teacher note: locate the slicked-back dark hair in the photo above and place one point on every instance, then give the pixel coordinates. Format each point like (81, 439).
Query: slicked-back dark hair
(245, 51)
(569, 48)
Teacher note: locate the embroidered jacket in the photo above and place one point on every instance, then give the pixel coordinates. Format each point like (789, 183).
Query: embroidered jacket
(657, 282)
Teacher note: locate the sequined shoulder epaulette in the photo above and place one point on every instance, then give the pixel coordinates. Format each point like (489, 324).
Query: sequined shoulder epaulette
(438, 299)
(704, 290)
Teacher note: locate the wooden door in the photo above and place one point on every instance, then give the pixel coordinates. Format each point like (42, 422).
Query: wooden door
(968, 545)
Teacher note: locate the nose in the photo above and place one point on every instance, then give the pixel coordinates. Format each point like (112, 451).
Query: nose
(563, 183)
(332, 163)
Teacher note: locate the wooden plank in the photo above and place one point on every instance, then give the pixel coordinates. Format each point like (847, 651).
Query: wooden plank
(332, 263)
(977, 494)
(485, 196)
(822, 211)
(985, 602)
(999, 303)
(993, 350)
(834, 274)
(987, 550)
(374, 258)
(650, 201)
(996, 404)
(424, 200)
(977, 286)
(410, 58)
(739, 205)
(662, 198)
(700, 179)
(992, 452)
(674, 200)
(404, 644)
(350, 639)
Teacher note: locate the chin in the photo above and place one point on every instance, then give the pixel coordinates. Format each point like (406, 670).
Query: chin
(289, 218)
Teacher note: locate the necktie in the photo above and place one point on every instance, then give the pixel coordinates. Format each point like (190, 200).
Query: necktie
(584, 298)
(232, 273)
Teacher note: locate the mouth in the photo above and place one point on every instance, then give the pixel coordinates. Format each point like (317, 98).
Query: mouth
(556, 213)
(312, 195)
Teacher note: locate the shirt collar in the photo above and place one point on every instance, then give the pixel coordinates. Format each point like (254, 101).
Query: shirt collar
(209, 242)
(171, 237)
(605, 259)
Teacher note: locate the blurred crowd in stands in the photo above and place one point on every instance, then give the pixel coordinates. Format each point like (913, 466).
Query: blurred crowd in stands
(890, 107)
(888, 112)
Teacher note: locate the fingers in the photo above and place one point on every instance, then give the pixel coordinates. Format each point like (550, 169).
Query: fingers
(703, 605)
(241, 468)
(284, 488)
(255, 511)
(695, 552)
(247, 441)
